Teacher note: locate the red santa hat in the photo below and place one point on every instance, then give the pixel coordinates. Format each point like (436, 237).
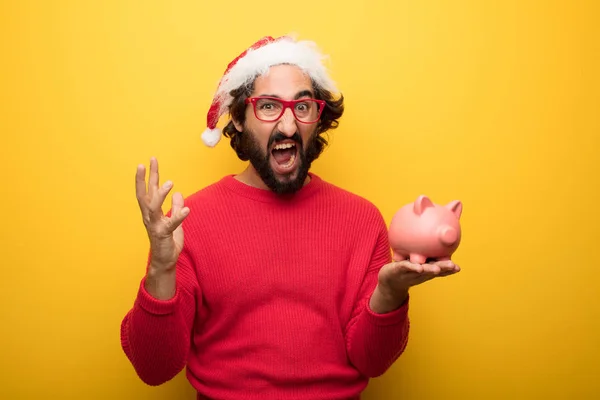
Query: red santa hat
(256, 61)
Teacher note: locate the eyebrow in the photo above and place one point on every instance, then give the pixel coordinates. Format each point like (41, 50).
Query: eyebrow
(303, 93)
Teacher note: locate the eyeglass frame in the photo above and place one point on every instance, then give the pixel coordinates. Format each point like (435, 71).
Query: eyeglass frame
(286, 104)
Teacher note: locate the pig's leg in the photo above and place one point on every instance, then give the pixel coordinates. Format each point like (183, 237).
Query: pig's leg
(418, 258)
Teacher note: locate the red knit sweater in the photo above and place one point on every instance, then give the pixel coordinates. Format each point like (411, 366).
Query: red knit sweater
(272, 298)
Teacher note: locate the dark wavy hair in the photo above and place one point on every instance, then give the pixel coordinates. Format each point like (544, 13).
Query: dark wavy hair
(334, 109)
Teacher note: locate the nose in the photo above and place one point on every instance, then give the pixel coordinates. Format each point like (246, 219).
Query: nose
(287, 123)
(448, 235)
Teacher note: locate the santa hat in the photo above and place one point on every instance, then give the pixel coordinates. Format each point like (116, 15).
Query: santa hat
(256, 61)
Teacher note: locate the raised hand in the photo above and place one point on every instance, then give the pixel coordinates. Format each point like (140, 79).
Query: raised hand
(165, 232)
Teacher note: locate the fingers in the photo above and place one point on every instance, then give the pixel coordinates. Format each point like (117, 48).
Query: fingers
(447, 267)
(140, 184)
(178, 212)
(152, 198)
(157, 200)
(155, 196)
(176, 203)
(437, 268)
(153, 178)
(408, 266)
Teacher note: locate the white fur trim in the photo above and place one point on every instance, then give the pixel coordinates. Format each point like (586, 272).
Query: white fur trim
(304, 54)
(211, 137)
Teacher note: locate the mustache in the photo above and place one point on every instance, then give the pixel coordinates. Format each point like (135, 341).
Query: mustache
(278, 136)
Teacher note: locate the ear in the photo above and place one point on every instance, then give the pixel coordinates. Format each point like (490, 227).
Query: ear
(456, 207)
(239, 127)
(421, 204)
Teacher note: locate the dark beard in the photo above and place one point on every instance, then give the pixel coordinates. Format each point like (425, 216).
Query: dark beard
(259, 159)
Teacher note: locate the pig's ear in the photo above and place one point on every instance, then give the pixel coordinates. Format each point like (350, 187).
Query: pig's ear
(421, 204)
(456, 207)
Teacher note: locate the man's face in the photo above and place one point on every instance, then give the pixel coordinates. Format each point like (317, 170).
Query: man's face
(281, 152)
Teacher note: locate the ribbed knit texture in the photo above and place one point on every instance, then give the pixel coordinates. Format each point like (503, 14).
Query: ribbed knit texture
(272, 298)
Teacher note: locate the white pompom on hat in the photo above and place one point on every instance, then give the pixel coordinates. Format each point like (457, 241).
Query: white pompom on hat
(256, 61)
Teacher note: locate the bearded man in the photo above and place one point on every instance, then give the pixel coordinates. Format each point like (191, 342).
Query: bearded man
(284, 287)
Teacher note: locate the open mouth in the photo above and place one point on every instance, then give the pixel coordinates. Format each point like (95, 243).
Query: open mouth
(284, 156)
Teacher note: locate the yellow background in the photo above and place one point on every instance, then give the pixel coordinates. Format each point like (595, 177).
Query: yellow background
(492, 103)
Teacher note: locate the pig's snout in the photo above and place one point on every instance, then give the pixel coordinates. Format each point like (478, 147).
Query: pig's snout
(448, 235)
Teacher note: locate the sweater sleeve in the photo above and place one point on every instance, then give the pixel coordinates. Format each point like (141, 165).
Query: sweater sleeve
(375, 341)
(156, 334)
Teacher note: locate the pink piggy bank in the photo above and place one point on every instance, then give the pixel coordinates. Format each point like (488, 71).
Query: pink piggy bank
(422, 230)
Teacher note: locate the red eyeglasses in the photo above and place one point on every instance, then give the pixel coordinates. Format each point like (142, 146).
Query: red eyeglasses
(270, 109)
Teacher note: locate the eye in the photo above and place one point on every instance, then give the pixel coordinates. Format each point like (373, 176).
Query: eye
(263, 105)
(302, 107)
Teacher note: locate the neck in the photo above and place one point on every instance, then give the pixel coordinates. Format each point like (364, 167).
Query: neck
(251, 177)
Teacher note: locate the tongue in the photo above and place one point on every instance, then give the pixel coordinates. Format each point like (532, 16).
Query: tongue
(283, 156)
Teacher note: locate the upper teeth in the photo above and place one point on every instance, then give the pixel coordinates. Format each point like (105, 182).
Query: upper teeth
(284, 146)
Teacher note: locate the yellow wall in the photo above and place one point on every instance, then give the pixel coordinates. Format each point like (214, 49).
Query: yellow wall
(495, 105)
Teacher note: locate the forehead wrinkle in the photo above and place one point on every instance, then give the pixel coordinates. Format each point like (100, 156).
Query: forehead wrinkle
(281, 80)
(301, 93)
